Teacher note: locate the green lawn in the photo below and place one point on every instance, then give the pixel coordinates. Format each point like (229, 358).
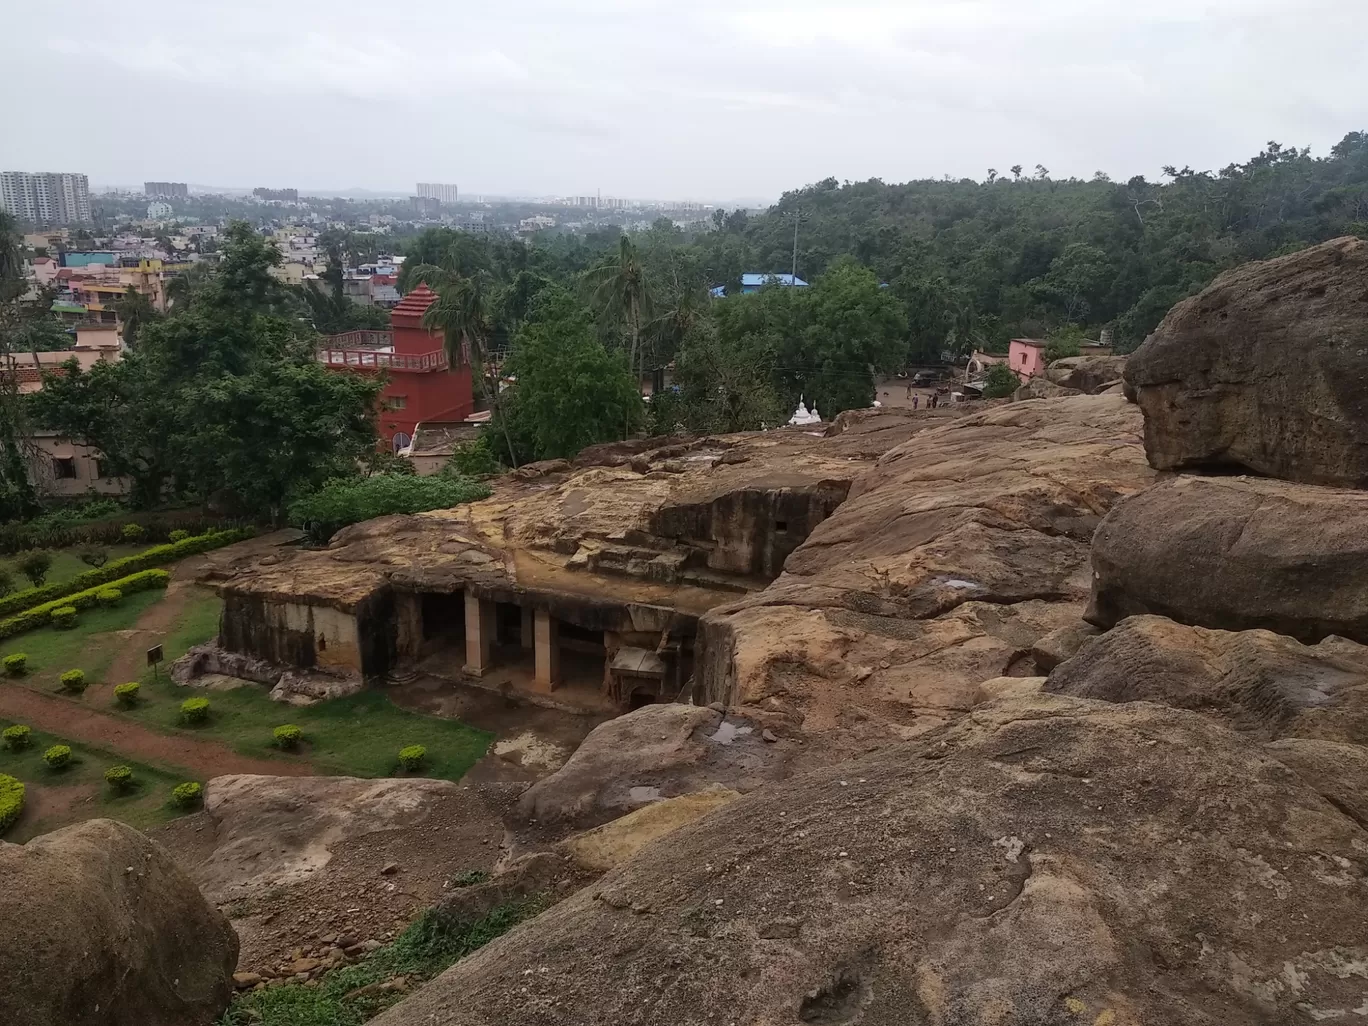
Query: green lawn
(78, 791)
(66, 563)
(50, 651)
(356, 736)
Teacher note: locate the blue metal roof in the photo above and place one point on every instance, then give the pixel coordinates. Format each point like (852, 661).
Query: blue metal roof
(757, 280)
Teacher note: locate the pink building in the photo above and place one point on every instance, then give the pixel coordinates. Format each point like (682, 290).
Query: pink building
(1026, 356)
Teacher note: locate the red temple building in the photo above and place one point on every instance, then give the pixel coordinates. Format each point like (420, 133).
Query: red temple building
(420, 387)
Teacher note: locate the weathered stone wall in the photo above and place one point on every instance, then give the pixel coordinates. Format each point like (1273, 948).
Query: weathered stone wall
(752, 530)
(291, 633)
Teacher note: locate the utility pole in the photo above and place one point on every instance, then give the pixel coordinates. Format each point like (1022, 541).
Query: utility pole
(794, 279)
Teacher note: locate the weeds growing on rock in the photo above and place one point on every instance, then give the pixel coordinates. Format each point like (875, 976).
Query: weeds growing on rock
(350, 995)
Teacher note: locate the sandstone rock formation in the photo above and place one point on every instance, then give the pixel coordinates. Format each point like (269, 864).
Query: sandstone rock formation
(1252, 680)
(98, 927)
(1047, 860)
(1266, 369)
(1088, 374)
(947, 563)
(654, 753)
(296, 858)
(1043, 388)
(1237, 554)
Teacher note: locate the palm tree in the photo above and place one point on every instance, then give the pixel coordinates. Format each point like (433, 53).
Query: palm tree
(461, 313)
(135, 310)
(617, 289)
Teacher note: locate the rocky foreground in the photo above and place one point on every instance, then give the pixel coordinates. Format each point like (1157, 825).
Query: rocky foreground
(1041, 727)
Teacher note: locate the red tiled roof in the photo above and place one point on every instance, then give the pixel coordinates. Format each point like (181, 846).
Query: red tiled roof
(66, 272)
(384, 279)
(416, 302)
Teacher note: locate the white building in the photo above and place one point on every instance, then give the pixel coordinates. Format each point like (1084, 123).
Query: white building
(435, 190)
(46, 197)
(158, 211)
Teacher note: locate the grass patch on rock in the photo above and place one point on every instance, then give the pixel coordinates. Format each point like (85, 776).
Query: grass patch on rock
(350, 995)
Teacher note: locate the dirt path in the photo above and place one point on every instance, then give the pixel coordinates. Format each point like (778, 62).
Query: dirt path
(70, 719)
(154, 622)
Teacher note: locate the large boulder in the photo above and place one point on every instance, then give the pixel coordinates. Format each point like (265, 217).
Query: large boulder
(1236, 554)
(1043, 388)
(1266, 369)
(1088, 374)
(1046, 861)
(655, 753)
(98, 927)
(1253, 680)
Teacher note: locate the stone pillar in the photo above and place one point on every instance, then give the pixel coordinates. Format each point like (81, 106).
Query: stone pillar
(479, 628)
(526, 633)
(547, 655)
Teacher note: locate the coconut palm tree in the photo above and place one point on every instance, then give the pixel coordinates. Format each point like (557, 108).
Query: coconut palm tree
(462, 314)
(617, 290)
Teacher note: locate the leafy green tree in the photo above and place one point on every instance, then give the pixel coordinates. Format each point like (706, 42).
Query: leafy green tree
(1000, 382)
(222, 398)
(571, 392)
(135, 310)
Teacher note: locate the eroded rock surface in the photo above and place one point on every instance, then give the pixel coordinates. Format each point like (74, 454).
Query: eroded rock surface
(1267, 369)
(949, 561)
(98, 927)
(1043, 388)
(654, 753)
(1088, 374)
(296, 859)
(1237, 554)
(1252, 680)
(1047, 860)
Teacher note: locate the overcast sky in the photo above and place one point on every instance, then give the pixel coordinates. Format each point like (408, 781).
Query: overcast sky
(698, 99)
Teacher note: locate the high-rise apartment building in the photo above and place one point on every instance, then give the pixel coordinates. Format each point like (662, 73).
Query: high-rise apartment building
(45, 198)
(433, 190)
(166, 190)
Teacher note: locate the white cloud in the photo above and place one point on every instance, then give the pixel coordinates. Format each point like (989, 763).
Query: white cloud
(644, 97)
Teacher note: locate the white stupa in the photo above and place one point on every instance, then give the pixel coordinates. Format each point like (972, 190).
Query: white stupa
(802, 418)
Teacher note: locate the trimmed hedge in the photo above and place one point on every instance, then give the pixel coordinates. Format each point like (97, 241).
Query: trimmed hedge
(412, 757)
(120, 778)
(127, 694)
(74, 680)
(108, 596)
(16, 664)
(187, 795)
(16, 737)
(195, 711)
(11, 800)
(114, 570)
(38, 616)
(63, 617)
(288, 736)
(58, 756)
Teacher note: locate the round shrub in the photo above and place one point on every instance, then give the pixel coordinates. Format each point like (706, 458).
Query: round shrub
(187, 795)
(11, 800)
(108, 597)
(74, 681)
(16, 664)
(132, 532)
(120, 778)
(58, 756)
(127, 694)
(177, 536)
(412, 757)
(35, 565)
(63, 617)
(288, 737)
(16, 737)
(195, 710)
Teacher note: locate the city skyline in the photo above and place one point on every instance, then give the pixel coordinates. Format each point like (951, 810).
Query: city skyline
(712, 101)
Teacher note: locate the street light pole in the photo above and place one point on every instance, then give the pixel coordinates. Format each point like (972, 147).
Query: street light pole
(794, 273)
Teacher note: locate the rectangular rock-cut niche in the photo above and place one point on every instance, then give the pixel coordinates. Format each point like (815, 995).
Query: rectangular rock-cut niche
(751, 531)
